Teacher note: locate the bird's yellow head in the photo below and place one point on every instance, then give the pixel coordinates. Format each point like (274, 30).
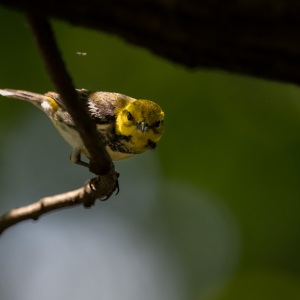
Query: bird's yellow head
(143, 120)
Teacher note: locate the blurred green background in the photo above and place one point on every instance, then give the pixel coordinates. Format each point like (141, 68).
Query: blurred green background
(213, 213)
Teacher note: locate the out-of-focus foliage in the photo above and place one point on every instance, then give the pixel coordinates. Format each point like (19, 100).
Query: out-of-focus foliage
(213, 213)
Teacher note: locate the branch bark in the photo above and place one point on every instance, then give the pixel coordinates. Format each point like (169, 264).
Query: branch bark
(257, 38)
(97, 188)
(100, 163)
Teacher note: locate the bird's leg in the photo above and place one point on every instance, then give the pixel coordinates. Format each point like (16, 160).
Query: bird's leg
(75, 158)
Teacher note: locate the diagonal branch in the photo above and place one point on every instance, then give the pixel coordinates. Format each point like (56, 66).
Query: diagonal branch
(100, 163)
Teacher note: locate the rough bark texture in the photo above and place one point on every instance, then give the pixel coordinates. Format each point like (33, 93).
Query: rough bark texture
(253, 37)
(100, 187)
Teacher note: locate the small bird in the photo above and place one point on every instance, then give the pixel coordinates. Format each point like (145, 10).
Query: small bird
(128, 126)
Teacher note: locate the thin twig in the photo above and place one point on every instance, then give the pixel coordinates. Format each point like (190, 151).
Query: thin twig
(100, 162)
(97, 188)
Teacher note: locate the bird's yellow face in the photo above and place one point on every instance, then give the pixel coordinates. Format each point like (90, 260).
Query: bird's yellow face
(143, 120)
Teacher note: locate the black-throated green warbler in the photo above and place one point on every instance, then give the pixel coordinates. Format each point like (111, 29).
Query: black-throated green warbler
(128, 126)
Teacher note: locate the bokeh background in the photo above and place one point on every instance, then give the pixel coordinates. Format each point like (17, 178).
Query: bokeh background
(213, 213)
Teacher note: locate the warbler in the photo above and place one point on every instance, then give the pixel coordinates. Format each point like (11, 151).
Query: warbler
(128, 126)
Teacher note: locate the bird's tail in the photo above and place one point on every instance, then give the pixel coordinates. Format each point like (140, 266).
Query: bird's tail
(34, 98)
(44, 102)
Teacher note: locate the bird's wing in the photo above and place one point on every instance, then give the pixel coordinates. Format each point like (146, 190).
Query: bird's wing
(101, 106)
(104, 106)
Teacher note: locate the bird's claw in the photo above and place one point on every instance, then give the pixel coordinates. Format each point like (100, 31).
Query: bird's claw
(93, 187)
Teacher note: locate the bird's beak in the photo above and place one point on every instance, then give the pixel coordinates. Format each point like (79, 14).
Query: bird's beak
(142, 126)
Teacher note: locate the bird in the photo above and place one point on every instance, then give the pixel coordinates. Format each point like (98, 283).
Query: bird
(128, 126)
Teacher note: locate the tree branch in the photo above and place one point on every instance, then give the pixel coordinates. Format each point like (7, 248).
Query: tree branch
(97, 188)
(258, 38)
(100, 163)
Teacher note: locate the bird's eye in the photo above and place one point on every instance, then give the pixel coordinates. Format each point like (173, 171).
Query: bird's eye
(158, 123)
(129, 116)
